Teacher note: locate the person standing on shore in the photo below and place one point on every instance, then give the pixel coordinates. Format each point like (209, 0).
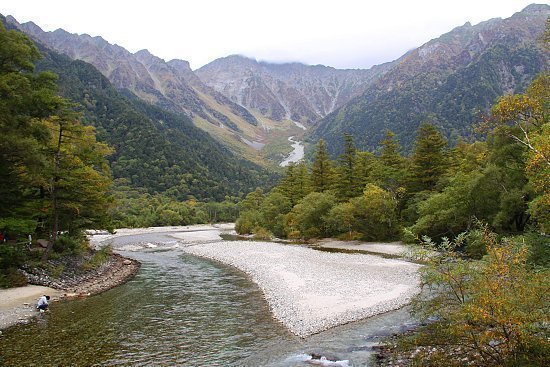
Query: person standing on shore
(42, 304)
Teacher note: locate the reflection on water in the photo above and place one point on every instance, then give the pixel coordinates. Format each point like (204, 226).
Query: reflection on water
(186, 311)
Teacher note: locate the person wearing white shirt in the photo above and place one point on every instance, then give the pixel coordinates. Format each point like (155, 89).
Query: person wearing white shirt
(42, 304)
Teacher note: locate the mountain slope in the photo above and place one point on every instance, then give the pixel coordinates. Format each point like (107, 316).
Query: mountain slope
(155, 149)
(173, 86)
(449, 81)
(146, 75)
(294, 91)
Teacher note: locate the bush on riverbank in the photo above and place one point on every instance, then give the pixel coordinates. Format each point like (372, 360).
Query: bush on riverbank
(489, 312)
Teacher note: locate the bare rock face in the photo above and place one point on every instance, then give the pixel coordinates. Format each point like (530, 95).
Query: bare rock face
(293, 91)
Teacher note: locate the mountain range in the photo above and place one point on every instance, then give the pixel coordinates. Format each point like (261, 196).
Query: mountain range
(156, 150)
(292, 91)
(451, 81)
(253, 107)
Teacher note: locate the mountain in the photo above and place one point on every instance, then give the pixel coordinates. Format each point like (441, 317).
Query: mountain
(449, 81)
(147, 76)
(155, 149)
(293, 91)
(171, 85)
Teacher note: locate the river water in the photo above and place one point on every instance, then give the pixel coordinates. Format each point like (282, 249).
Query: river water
(297, 153)
(182, 310)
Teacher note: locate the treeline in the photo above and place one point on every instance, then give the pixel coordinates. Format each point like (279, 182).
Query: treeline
(136, 208)
(54, 178)
(437, 191)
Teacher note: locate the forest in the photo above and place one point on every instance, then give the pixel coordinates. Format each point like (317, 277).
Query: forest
(478, 213)
(437, 191)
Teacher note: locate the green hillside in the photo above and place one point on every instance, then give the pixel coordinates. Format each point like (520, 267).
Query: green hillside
(155, 149)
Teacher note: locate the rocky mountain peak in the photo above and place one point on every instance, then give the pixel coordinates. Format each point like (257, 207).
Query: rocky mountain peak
(536, 9)
(180, 65)
(295, 91)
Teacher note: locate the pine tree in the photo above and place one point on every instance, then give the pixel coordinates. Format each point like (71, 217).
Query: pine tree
(322, 172)
(348, 183)
(429, 160)
(295, 184)
(392, 162)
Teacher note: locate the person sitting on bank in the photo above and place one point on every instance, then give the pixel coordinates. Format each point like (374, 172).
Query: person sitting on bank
(42, 304)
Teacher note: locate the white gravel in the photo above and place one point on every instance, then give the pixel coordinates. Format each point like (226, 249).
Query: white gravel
(310, 291)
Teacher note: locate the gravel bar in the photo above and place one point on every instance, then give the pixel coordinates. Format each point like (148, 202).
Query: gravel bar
(310, 291)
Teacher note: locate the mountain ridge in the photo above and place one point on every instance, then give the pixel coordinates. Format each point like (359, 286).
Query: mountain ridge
(450, 80)
(303, 93)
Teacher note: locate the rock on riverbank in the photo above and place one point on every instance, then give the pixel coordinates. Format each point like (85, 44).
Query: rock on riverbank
(74, 282)
(17, 305)
(310, 291)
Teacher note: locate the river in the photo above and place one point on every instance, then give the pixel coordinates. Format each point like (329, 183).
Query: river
(185, 311)
(297, 153)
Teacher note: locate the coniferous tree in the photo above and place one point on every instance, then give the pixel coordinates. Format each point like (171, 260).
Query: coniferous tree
(348, 183)
(429, 160)
(322, 172)
(295, 184)
(390, 171)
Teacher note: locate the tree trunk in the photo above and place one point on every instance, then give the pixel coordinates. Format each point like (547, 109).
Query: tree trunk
(55, 207)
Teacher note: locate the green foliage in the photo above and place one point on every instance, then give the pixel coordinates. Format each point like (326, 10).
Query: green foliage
(296, 182)
(429, 160)
(98, 258)
(261, 233)
(248, 221)
(348, 183)
(70, 244)
(273, 209)
(253, 201)
(539, 248)
(322, 171)
(54, 172)
(135, 208)
(490, 312)
(376, 214)
(310, 215)
(11, 277)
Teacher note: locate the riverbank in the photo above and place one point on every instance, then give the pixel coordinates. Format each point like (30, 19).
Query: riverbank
(17, 305)
(310, 291)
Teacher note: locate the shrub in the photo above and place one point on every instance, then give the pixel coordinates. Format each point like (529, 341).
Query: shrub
(247, 222)
(260, 233)
(491, 312)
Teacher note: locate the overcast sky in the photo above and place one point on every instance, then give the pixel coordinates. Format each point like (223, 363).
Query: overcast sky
(339, 33)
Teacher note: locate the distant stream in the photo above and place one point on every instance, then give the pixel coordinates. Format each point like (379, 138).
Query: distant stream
(185, 311)
(296, 155)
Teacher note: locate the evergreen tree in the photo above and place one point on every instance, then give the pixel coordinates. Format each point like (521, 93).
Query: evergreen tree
(348, 183)
(429, 160)
(390, 171)
(295, 184)
(45, 150)
(77, 177)
(322, 172)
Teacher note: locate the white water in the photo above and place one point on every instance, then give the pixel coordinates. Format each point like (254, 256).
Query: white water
(296, 155)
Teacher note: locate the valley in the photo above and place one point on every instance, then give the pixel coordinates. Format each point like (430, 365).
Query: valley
(252, 212)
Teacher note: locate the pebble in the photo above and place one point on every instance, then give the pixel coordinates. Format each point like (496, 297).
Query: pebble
(317, 274)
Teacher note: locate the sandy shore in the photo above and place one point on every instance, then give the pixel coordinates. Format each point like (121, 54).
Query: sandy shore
(18, 305)
(310, 291)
